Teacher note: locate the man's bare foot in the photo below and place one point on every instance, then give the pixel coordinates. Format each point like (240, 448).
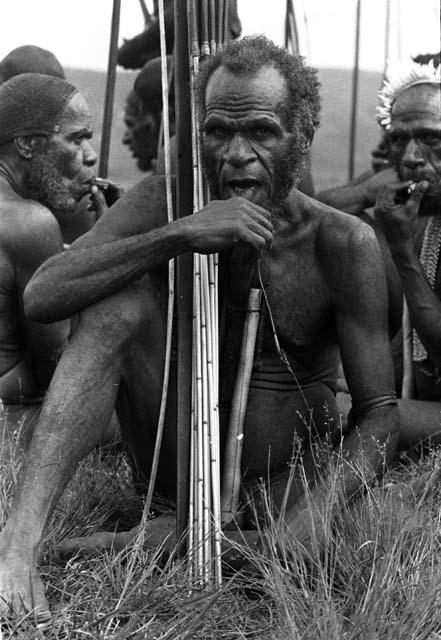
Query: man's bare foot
(159, 531)
(21, 588)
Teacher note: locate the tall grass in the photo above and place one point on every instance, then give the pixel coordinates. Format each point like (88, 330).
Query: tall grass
(376, 577)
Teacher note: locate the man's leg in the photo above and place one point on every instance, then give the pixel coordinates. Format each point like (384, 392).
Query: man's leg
(74, 417)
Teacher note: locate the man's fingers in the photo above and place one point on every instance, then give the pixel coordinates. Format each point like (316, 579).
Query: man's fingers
(418, 193)
(98, 202)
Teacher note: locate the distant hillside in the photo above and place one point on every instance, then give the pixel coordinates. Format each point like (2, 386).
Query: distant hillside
(331, 144)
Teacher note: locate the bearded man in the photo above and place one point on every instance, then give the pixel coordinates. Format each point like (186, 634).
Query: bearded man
(46, 167)
(406, 219)
(410, 115)
(326, 288)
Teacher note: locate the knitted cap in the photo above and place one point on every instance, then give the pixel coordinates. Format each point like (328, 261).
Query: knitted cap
(29, 59)
(31, 104)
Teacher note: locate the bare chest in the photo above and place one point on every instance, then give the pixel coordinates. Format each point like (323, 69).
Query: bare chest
(297, 294)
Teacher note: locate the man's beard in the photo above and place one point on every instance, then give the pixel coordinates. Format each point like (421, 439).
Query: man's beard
(46, 183)
(289, 165)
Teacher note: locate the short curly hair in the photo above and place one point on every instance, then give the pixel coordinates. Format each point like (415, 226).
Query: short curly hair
(247, 57)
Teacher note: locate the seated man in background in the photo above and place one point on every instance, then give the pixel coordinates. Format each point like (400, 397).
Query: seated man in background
(32, 59)
(143, 115)
(410, 115)
(326, 289)
(360, 194)
(409, 232)
(46, 167)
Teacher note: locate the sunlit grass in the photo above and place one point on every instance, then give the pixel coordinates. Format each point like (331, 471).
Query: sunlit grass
(377, 575)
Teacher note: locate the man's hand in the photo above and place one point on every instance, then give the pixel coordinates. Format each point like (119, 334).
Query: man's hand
(399, 221)
(224, 223)
(101, 198)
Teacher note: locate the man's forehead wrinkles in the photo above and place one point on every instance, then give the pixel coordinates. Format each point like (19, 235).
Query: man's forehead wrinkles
(235, 99)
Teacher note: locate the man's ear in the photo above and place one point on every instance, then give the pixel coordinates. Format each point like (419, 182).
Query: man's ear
(25, 146)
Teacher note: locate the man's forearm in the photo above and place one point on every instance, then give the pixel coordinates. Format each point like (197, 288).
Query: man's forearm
(73, 280)
(424, 306)
(367, 451)
(349, 198)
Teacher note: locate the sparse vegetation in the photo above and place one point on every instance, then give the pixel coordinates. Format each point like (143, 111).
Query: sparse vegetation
(377, 578)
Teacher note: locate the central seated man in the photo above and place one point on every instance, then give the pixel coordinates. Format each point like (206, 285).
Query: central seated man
(323, 275)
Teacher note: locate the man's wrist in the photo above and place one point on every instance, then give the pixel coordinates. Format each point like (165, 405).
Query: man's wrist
(180, 231)
(403, 251)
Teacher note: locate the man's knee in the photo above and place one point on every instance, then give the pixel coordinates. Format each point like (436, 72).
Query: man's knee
(116, 319)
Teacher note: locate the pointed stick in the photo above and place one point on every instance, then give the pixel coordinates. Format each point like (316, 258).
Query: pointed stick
(110, 91)
(233, 448)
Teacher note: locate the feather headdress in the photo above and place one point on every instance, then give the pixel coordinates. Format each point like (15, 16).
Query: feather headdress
(397, 80)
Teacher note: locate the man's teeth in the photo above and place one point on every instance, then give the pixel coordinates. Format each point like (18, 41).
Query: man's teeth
(240, 189)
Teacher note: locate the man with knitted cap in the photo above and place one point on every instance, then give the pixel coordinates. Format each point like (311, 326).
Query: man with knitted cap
(29, 59)
(46, 167)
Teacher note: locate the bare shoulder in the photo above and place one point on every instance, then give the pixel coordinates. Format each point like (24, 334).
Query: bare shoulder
(343, 238)
(28, 230)
(347, 252)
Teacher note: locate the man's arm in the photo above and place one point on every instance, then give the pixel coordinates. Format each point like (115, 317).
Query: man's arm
(40, 238)
(400, 226)
(358, 195)
(131, 239)
(358, 283)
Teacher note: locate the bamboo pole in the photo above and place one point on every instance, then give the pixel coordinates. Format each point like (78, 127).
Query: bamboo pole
(233, 448)
(212, 28)
(220, 24)
(387, 33)
(225, 28)
(110, 91)
(184, 280)
(204, 38)
(354, 103)
(171, 266)
(408, 381)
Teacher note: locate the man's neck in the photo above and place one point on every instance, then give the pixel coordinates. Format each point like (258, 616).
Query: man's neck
(14, 176)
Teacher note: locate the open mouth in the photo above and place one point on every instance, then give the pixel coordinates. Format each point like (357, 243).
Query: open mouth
(245, 188)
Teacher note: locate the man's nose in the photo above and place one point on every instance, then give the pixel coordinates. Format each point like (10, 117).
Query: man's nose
(413, 155)
(90, 156)
(239, 151)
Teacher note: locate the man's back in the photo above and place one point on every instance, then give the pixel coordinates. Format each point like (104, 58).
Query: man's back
(29, 234)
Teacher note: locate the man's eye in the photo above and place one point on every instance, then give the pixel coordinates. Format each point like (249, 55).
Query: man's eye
(399, 140)
(432, 139)
(260, 133)
(219, 132)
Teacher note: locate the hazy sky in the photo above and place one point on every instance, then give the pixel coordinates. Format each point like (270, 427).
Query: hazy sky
(77, 31)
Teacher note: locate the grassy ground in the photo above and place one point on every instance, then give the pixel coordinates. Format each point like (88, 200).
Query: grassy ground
(378, 577)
